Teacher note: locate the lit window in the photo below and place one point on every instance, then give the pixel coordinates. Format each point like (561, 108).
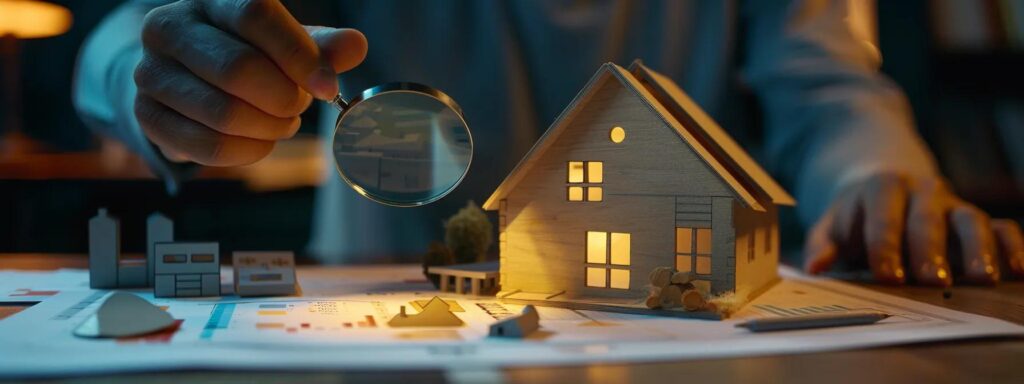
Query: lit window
(597, 247)
(684, 240)
(595, 172)
(704, 241)
(617, 134)
(596, 277)
(684, 263)
(605, 253)
(620, 248)
(575, 193)
(690, 258)
(620, 278)
(575, 171)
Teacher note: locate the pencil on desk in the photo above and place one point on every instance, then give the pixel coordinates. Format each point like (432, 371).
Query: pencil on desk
(820, 320)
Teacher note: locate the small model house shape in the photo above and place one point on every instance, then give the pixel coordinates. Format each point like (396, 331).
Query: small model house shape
(633, 175)
(436, 313)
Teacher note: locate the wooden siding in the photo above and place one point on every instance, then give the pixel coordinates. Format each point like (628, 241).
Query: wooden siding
(546, 234)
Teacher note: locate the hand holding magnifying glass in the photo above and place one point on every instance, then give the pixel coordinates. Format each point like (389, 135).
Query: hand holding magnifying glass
(402, 144)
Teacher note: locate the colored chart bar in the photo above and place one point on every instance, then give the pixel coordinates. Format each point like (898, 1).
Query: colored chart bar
(219, 319)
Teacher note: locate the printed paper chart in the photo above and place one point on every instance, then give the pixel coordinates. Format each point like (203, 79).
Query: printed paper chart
(350, 330)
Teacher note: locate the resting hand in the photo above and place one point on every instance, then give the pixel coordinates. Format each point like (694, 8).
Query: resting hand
(221, 81)
(875, 217)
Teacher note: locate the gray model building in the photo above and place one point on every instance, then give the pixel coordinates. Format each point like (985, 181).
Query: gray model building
(264, 273)
(186, 269)
(518, 326)
(104, 250)
(159, 229)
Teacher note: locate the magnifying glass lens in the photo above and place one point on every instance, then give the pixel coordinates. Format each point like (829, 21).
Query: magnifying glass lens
(403, 147)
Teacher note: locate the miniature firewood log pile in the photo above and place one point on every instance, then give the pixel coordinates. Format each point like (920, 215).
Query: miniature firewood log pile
(671, 289)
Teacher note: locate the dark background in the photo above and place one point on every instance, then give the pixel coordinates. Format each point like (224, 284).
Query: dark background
(968, 102)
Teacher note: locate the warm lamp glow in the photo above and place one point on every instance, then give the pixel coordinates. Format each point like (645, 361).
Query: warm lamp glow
(25, 19)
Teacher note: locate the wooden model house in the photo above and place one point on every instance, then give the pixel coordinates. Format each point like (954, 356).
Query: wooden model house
(632, 176)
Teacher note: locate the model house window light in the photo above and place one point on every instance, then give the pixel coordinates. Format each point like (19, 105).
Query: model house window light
(693, 250)
(617, 135)
(582, 177)
(605, 252)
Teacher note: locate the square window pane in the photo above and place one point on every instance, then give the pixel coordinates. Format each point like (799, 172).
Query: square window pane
(703, 241)
(575, 171)
(704, 265)
(594, 194)
(596, 277)
(684, 263)
(575, 193)
(620, 278)
(202, 258)
(595, 172)
(620, 248)
(684, 240)
(597, 247)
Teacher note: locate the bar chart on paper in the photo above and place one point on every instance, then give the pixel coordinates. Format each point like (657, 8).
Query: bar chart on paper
(304, 319)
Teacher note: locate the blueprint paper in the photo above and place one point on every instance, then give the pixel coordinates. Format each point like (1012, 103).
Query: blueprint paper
(341, 322)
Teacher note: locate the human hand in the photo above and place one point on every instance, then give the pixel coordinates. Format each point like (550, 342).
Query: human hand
(221, 81)
(873, 218)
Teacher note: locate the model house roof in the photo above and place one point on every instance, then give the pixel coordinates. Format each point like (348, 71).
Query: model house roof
(752, 186)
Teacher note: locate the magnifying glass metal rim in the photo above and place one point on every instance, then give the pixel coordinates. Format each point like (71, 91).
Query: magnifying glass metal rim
(343, 107)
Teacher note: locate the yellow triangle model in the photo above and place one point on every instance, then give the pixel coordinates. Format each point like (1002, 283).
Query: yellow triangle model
(434, 314)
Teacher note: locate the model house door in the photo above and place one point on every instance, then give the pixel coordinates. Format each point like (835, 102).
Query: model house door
(693, 254)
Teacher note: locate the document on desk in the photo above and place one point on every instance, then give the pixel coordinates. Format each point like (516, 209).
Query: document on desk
(341, 322)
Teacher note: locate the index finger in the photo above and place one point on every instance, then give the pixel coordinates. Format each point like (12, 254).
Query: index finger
(267, 25)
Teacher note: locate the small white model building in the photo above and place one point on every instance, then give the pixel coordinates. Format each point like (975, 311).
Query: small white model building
(264, 273)
(187, 269)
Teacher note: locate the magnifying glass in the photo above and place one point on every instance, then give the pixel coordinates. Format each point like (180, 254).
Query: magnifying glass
(402, 144)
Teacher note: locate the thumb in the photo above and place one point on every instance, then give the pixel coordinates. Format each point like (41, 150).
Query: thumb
(819, 249)
(343, 48)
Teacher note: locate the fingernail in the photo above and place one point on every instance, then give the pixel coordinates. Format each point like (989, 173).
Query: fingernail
(323, 83)
(891, 272)
(984, 270)
(942, 270)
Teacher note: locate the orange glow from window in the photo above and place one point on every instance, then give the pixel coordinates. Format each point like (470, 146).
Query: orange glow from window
(619, 278)
(33, 19)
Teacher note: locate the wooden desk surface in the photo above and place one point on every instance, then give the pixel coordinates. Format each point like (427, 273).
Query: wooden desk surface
(995, 360)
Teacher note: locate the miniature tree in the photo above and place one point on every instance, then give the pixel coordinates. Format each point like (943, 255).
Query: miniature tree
(468, 234)
(437, 254)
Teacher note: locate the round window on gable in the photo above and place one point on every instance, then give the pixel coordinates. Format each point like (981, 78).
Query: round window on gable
(617, 135)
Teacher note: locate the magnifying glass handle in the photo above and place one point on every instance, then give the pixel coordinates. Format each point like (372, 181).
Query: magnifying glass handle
(339, 103)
